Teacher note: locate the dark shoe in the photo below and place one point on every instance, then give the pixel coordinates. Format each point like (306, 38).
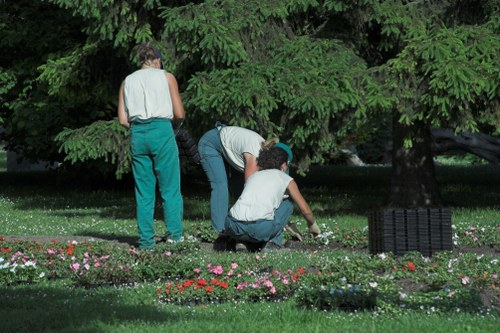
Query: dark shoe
(221, 243)
(240, 247)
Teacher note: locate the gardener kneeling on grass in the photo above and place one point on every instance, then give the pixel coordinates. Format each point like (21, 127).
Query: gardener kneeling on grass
(257, 219)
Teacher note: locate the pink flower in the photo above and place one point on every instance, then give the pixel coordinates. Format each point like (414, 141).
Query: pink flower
(494, 276)
(97, 264)
(234, 265)
(285, 281)
(74, 266)
(465, 280)
(230, 273)
(168, 253)
(272, 290)
(87, 266)
(241, 286)
(216, 270)
(268, 283)
(197, 270)
(51, 251)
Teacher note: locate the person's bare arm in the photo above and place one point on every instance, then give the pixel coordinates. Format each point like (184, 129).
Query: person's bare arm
(179, 113)
(122, 115)
(304, 208)
(250, 165)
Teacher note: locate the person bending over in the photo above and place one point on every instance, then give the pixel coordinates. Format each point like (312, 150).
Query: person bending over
(228, 157)
(259, 216)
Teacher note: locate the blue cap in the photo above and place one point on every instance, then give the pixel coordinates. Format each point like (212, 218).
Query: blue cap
(286, 149)
(288, 152)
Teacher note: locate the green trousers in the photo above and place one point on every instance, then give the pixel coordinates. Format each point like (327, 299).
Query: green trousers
(155, 157)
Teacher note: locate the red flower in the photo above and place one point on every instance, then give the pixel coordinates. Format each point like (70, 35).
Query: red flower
(188, 283)
(201, 282)
(411, 266)
(209, 289)
(6, 250)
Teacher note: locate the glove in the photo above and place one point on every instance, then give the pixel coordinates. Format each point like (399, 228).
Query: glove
(293, 231)
(314, 229)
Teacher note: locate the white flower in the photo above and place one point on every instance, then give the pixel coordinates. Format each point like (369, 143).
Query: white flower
(42, 274)
(382, 256)
(30, 263)
(373, 284)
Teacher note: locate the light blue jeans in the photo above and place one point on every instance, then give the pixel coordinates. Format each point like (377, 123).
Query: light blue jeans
(261, 230)
(221, 176)
(155, 157)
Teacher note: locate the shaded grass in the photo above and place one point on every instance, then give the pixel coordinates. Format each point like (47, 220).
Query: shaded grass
(60, 308)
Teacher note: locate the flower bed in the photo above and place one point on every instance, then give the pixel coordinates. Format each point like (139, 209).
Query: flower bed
(184, 274)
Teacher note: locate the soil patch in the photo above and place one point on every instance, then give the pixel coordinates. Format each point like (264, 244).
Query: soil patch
(291, 244)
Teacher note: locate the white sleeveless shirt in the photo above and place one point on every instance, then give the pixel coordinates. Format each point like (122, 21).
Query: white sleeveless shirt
(262, 195)
(147, 95)
(236, 141)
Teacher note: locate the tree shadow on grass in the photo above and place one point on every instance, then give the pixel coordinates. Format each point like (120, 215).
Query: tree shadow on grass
(44, 309)
(117, 239)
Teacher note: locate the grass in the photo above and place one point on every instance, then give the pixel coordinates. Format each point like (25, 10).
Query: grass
(130, 310)
(43, 205)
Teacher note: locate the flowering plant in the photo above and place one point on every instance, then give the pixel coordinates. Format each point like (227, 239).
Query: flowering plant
(216, 283)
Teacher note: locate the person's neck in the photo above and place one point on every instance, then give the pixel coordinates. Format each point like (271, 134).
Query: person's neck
(151, 64)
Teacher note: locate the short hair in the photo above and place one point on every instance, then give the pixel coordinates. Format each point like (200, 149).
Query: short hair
(271, 158)
(145, 52)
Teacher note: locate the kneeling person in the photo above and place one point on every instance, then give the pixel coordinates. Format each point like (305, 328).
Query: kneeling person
(261, 212)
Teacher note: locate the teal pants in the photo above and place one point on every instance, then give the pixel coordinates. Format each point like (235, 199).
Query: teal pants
(155, 157)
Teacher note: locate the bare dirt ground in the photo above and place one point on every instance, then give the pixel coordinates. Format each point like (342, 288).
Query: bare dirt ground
(292, 245)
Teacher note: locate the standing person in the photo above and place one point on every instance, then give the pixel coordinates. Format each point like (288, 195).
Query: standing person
(148, 103)
(228, 157)
(262, 211)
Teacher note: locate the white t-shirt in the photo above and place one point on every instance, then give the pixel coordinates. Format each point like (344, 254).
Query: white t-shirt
(236, 141)
(262, 195)
(147, 95)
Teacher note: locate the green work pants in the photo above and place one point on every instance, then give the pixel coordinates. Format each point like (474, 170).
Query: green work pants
(155, 157)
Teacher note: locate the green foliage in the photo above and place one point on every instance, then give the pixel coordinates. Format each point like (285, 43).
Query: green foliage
(118, 22)
(318, 74)
(451, 76)
(105, 140)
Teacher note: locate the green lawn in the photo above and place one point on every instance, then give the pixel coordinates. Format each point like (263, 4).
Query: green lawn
(435, 296)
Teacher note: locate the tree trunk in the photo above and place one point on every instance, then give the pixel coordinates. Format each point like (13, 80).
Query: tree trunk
(413, 181)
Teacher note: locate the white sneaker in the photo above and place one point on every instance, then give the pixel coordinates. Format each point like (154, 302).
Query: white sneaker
(180, 240)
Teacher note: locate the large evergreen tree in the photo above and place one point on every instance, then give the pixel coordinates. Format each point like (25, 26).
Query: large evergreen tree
(318, 74)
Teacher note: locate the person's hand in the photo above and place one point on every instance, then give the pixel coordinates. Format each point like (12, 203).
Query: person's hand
(314, 229)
